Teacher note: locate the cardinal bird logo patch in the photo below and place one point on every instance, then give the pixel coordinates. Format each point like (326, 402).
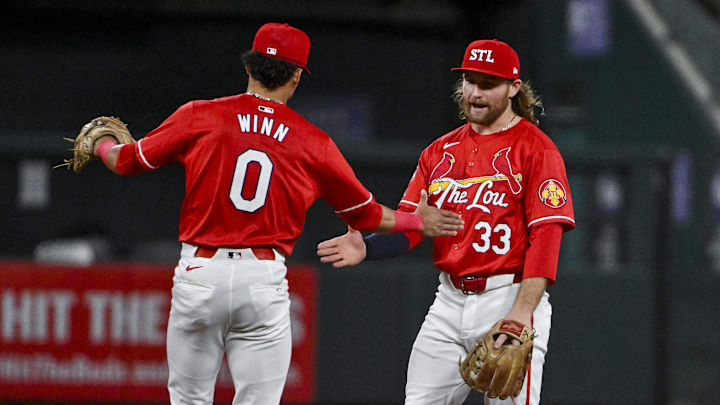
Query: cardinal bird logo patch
(443, 168)
(552, 193)
(501, 164)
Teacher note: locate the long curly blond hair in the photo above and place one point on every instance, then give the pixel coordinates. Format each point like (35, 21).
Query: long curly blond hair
(526, 103)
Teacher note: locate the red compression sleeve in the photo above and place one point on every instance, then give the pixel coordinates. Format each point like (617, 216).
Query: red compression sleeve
(541, 258)
(407, 222)
(104, 148)
(127, 164)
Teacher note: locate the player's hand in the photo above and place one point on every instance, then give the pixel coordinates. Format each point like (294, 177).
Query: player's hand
(438, 222)
(502, 338)
(345, 250)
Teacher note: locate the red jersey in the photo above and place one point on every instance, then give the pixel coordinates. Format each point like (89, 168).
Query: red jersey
(253, 167)
(502, 184)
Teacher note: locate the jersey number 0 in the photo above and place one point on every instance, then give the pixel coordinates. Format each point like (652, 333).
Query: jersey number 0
(263, 182)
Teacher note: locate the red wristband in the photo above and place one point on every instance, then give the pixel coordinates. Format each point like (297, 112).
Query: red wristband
(407, 222)
(104, 148)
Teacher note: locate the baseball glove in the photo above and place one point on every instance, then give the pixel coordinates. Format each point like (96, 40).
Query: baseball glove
(499, 372)
(84, 143)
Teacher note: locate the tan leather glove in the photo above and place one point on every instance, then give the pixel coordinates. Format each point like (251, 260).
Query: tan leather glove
(499, 372)
(84, 144)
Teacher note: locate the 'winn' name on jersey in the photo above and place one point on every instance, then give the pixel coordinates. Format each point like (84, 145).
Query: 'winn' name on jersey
(262, 125)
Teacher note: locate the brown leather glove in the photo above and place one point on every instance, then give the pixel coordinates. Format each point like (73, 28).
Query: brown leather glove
(499, 372)
(84, 144)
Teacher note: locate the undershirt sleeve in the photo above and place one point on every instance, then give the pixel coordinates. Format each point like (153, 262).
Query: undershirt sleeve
(541, 258)
(386, 246)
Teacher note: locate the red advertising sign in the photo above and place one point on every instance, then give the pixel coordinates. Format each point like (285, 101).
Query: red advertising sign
(98, 333)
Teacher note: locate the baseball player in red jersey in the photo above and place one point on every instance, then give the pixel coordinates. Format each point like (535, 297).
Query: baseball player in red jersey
(508, 181)
(253, 167)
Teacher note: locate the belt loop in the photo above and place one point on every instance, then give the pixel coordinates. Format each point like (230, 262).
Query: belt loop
(279, 256)
(462, 287)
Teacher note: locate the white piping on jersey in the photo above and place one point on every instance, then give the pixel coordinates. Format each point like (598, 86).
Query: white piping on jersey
(409, 203)
(551, 217)
(355, 206)
(142, 156)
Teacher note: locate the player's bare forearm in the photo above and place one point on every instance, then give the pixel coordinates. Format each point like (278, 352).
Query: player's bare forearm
(387, 222)
(528, 297)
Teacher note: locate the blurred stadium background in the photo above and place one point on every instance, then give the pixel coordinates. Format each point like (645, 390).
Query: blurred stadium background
(630, 89)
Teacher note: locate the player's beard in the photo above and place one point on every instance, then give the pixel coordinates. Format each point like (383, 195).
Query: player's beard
(494, 111)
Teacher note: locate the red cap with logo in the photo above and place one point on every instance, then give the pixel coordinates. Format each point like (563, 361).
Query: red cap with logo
(492, 57)
(284, 42)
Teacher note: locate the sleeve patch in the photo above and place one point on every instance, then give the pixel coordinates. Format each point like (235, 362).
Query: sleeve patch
(552, 193)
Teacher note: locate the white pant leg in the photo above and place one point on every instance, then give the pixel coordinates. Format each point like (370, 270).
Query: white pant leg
(259, 341)
(433, 374)
(194, 337)
(453, 324)
(235, 304)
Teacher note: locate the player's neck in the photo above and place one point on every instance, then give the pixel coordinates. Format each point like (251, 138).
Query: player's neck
(267, 95)
(506, 120)
(281, 94)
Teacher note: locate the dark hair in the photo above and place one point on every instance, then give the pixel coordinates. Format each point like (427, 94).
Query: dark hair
(272, 73)
(526, 103)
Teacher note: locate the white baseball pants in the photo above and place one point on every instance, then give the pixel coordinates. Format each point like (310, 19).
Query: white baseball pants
(239, 306)
(451, 328)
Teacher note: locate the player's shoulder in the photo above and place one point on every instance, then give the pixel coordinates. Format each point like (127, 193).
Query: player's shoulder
(203, 104)
(450, 139)
(217, 102)
(201, 111)
(231, 101)
(213, 101)
(308, 129)
(535, 137)
(289, 114)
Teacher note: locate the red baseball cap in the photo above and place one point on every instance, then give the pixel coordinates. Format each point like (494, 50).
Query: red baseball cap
(284, 42)
(492, 57)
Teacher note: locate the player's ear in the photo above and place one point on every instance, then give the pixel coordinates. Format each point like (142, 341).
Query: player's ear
(515, 86)
(296, 77)
(247, 69)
